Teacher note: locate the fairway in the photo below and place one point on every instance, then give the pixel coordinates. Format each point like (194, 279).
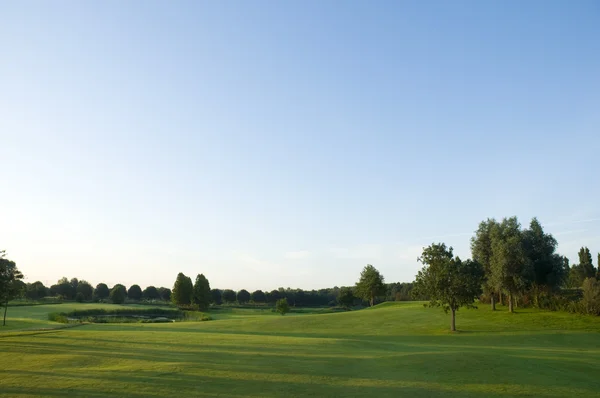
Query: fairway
(390, 350)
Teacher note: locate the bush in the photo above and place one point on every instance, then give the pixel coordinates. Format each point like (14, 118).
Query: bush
(591, 296)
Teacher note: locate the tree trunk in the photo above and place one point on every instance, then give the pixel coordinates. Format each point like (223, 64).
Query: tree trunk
(372, 300)
(493, 302)
(5, 308)
(510, 303)
(453, 324)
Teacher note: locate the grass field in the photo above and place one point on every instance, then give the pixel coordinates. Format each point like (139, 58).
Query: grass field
(394, 349)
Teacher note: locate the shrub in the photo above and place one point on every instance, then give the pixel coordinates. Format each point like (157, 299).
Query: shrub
(282, 306)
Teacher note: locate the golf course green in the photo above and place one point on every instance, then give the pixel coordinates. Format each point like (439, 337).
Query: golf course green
(390, 350)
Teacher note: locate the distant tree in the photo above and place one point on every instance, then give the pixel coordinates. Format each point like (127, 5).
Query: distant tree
(86, 290)
(370, 284)
(134, 292)
(448, 281)
(273, 296)
(511, 269)
(165, 293)
(346, 297)
(598, 274)
(36, 290)
(79, 297)
(282, 306)
(243, 296)
(548, 267)
(74, 282)
(585, 262)
(118, 294)
(64, 289)
(215, 295)
(101, 292)
(201, 295)
(258, 296)
(151, 293)
(481, 251)
(228, 296)
(183, 290)
(11, 285)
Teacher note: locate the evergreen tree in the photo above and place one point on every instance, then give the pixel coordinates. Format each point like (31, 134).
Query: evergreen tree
(182, 290)
(202, 296)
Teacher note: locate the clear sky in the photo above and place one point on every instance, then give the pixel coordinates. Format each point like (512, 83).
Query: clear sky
(271, 144)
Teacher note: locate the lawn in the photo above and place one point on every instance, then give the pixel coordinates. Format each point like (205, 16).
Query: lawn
(395, 349)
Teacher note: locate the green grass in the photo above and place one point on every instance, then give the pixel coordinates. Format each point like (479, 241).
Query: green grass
(388, 351)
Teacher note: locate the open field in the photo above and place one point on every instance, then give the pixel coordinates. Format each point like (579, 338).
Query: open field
(395, 349)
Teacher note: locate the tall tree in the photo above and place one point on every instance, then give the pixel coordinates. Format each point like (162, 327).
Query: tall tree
(228, 296)
(101, 292)
(448, 281)
(10, 282)
(243, 296)
(585, 262)
(370, 285)
(182, 290)
(202, 296)
(511, 269)
(481, 251)
(258, 296)
(547, 266)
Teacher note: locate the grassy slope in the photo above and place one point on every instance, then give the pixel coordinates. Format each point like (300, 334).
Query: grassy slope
(392, 350)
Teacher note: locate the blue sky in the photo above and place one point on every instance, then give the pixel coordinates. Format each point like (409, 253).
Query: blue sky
(271, 144)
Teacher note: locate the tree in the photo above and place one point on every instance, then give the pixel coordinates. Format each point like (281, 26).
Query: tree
(215, 295)
(591, 296)
(585, 263)
(243, 296)
(598, 274)
(86, 290)
(10, 282)
(548, 269)
(183, 290)
(282, 306)
(36, 290)
(201, 295)
(228, 296)
(64, 289)
(151, 293)
(258, 296)
(511, 269)
(481, 251)
(165, 293)
(346, 297)
(79, 297)
(370, 284)
(273, 296)
(118, 294)
(134, 292)
(448, 281)
(101, 292)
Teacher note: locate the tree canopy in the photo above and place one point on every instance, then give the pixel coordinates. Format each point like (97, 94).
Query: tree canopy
(202, 295)
(182, 290)
(118, 294)
(134, 292)
(243, 296)
(10, 282)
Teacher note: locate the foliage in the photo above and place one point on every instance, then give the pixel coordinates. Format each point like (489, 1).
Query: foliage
(243, 296)
(165, 293)
(201, 294)
(282, 306)
(151, 293)
(182, 290)
(591, 296)
(36, 291)
(258, 296)
(86, 290)
(101, 292)
(215, 296)
(79, 297)
(448, 281)
(118, 294)
(228, 296)
(134, 292)
(370, 284)
(346, 297)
